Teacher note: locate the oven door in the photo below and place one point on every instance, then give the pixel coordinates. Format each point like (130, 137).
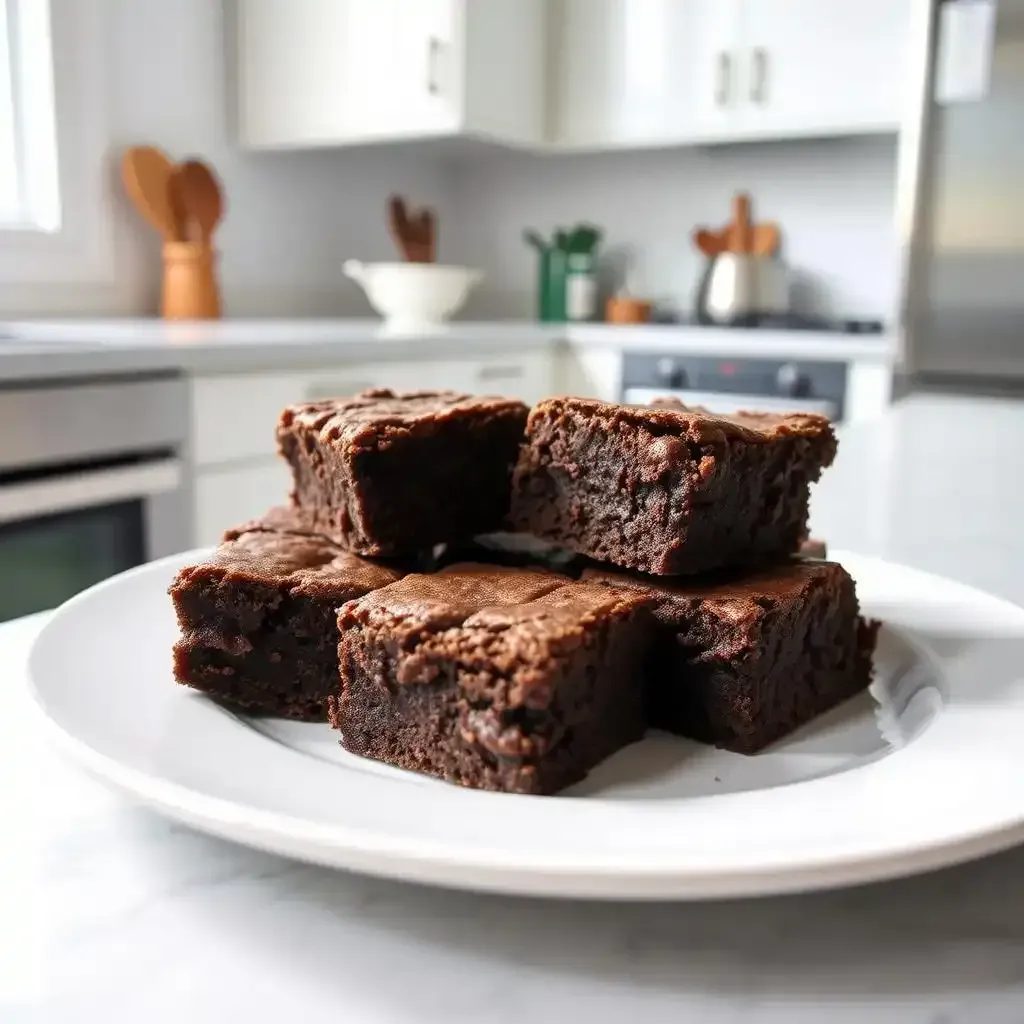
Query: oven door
(725, 403)
(64, 532)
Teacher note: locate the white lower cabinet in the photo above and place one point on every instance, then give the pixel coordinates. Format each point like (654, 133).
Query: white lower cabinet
(234, 453)
(228, 495)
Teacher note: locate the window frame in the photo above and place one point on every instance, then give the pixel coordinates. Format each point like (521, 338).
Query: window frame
(65, 229)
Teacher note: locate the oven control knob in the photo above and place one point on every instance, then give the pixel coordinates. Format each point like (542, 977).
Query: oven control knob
(670, 374)
(790, 381)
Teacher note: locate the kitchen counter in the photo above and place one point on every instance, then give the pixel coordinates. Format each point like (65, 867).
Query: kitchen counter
(58, 349)
(114, 914)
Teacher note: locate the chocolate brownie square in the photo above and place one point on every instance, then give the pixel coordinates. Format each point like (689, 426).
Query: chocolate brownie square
(742, 662)
(668, 490)
(492, 677)
(258, 617)
(388, 473)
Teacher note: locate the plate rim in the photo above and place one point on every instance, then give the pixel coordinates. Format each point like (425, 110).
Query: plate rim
(339, 845)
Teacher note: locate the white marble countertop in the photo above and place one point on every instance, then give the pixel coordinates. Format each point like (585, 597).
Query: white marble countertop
(66, 348)
(110, 913)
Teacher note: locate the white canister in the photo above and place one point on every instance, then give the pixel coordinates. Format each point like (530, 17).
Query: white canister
(580, 287)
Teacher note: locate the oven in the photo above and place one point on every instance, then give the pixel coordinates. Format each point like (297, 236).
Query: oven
(729, 385)
(91, 484)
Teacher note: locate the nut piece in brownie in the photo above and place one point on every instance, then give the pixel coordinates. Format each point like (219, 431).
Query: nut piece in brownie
(492, 677)
(742, 662)
(387, 473)
(668, 490)
(258, 618)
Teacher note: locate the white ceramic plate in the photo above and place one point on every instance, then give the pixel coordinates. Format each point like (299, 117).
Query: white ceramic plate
(926, 770)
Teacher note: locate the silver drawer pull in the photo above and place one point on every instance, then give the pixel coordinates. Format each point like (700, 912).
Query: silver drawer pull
(723, 78)
(499, 373)
(758, 75)
(320, 392)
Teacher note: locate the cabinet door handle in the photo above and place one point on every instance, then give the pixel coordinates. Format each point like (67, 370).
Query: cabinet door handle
(499, 373)
(433, 49)
(723, 76)
(758, 75)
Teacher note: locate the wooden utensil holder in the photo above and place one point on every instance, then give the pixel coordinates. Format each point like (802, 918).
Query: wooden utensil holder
(191, 290)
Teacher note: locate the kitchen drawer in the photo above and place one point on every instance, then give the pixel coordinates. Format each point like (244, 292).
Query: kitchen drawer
(526, 376)
(229, 495)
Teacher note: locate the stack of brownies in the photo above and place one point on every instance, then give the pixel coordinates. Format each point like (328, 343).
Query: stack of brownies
(649, 576)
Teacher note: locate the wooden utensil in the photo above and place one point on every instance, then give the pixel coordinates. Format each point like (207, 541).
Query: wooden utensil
(767, 239)
(740, 233)
(710, 243)
(146, 172)
(201, 197)
(415, 234)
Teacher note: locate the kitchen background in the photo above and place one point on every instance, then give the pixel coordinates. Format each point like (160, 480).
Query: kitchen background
(879, 137)
(293, 217)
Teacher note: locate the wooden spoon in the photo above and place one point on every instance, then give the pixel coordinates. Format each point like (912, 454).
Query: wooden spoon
(398, 221)
(710, 243)
(414, 234)
(740, 235)
(428, 235)
(146, 172)
(201, 198)
(767, 239)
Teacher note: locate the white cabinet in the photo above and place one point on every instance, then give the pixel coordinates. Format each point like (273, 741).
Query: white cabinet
(621, 66)
(667, 72)
(337, 72)
(813, 67)
(236, 472)
(228, 495)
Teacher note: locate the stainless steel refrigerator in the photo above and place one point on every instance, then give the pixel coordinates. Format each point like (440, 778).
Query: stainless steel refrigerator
(962, 195)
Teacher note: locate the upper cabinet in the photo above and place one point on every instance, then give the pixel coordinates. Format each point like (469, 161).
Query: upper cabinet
(337, 72)
(813, 67)
(664, 72)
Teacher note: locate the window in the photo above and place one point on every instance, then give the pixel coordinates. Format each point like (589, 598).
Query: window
(56, 221)
(29, 181)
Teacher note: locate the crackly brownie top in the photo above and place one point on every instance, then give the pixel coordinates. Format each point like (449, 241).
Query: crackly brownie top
(529, 601)
(303, 563)
(669, 417)
(345, 420)
(724, 614)
(448, 598)
(282, 519)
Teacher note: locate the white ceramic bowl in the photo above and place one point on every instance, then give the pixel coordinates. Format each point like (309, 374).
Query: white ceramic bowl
(413, 296)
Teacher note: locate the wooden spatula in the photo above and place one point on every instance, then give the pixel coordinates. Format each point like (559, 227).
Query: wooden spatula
(415, 234)
(201, 197)
(740, 233)
(710, 243)
(767, 239)
(146, 172)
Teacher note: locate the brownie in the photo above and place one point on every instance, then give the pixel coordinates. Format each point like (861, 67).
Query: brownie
(388, 473)
(258, 618)
(668, 490)
(742, 662)
(492, 677)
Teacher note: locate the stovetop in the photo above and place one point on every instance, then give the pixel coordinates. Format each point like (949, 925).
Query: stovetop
(786, 322)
